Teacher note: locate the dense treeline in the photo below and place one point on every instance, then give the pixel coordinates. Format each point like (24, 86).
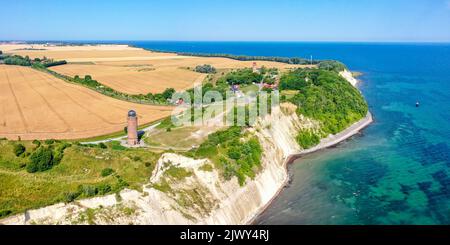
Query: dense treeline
(37, 62)
(233, 156)
(325, 96)
(332, 65)
(55, 63)
(293, 60)
(88, 81)
(17, 60)
(159, 98)
(205, 69)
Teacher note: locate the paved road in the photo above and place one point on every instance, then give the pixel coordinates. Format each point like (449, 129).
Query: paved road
(147, 129)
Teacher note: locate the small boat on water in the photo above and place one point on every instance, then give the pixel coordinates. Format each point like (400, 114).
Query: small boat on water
(417, 104)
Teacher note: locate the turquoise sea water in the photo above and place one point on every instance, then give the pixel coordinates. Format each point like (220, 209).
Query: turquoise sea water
(397, 171)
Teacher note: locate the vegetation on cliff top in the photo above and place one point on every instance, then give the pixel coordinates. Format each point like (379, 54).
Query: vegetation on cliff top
(233, 152)
(242, 76)
(325, 96)
(81, 171)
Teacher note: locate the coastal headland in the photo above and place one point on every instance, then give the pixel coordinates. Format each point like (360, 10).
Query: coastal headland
(184, 175)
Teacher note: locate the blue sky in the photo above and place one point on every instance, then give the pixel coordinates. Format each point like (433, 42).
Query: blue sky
(249, 20)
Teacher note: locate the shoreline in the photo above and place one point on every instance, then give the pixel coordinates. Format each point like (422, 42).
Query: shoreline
(326, 143)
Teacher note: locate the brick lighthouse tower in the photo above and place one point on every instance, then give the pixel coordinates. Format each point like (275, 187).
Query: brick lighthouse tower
(132, 128)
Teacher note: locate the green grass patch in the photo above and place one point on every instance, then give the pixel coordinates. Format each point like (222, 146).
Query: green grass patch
(207, 168)
(250, 88)
(115, 145)
(77, 175)
(163, 186)
(118, 134)
(178, 173)
(233, 152)
(181, 137)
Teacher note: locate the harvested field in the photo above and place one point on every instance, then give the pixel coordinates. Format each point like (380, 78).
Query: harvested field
(85, 53)
(132, 70)
(190, 61)
(135, 79)
(36, 105)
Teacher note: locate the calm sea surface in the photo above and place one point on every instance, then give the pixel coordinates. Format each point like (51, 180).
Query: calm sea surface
(398, 170)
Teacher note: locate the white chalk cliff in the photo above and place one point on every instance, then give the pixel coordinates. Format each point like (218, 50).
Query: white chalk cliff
(203, 196)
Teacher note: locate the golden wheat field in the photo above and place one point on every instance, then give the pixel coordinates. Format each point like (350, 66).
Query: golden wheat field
(36, 105)
(132, 70)
(135, 79)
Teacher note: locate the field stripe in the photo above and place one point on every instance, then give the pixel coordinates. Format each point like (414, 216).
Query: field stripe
(81, 105)
(52, 109)
(22, 116)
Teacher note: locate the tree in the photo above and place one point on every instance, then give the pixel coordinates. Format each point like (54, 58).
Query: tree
(19, 149)
(205, 69)
(332, 65)
(41, 160)
(168, 93)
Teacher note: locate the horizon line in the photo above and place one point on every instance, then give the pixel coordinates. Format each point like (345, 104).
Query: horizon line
(230, 41)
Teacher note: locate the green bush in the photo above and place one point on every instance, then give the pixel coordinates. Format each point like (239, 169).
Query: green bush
(4, 213)
(69, 197)
(121, 183)
(59, 152)
(102, 145)
(307, 139)
(41, 160)
(19, 149)
(103, 189)
(37, 143)
(168, 93)
(205, 69)
(49, 141)
(107, 172)
(87, 190)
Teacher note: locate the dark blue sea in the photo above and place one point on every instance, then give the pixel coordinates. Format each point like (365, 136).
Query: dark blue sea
(397, 171)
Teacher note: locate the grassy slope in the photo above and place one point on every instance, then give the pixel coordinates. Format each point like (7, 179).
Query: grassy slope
(20, 190)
